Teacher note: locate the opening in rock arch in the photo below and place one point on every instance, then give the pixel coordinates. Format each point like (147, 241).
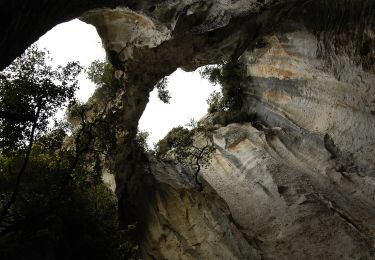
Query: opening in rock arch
(189, 92)
(78, 41)
(74, 41)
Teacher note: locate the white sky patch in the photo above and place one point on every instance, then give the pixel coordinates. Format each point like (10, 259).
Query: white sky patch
(75, 41)
(189, 93)
(78, 41)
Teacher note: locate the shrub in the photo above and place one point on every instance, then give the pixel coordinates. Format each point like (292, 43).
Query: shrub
(163, 92)
(141, 141)
(53, 219)
(180, 145)
(178, 139)
(229, 76)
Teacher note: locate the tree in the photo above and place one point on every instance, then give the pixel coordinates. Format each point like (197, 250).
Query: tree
(141, 141)
(60, 209)
(31, 92)
(100, 73)
(216, 102)
(191, 148)
(163, 93)
(226, 106)
(229, 75)
(42, 224)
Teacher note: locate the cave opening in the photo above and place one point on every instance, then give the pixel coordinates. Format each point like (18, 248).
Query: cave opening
(189, 93)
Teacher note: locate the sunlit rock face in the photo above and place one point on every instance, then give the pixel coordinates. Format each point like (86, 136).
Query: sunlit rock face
(298, 184)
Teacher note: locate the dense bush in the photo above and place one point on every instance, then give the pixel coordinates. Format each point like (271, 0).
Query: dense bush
(163, 92)
(60, 213)
(100, 73)
(141, 141)
(229, 76)
(182, 145)
(179, 139)
(226, 105)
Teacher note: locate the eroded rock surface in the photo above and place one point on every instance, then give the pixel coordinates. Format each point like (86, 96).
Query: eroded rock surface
(298, 184)
(177, 221)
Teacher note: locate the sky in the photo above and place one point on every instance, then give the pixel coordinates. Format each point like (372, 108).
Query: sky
(78, 41)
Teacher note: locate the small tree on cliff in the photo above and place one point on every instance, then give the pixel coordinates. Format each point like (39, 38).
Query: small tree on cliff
(192, 148)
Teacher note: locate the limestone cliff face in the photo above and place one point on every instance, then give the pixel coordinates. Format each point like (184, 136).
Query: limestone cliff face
(178, 222)
(298, 185)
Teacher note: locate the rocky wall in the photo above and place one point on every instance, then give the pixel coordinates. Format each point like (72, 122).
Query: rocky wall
(299, 183)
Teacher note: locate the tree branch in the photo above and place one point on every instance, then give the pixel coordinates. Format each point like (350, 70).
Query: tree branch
(197, 158)
(12, 200)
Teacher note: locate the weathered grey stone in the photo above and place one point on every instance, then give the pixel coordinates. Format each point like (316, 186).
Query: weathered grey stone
(302, 186)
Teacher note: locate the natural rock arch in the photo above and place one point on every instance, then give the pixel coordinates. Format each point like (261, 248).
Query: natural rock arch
(302, 186)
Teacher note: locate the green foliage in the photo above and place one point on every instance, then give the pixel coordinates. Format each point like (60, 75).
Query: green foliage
(163, 92)
(141, 141)
(31, 92)
(92, 127)
(226, 106)
(192, 148)
(179, 139)
(43, 224)
(216, 102)
(229, 76)
(100, 73)
(61, 209)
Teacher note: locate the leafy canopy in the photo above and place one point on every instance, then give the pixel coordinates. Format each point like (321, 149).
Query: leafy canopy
(44, 223)
(192, 148)
(53, 203)
(229, 76)
(100, 73)
(32, 92)
(179, 139)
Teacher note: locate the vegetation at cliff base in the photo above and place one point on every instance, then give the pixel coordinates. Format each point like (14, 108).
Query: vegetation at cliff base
(53, 203)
